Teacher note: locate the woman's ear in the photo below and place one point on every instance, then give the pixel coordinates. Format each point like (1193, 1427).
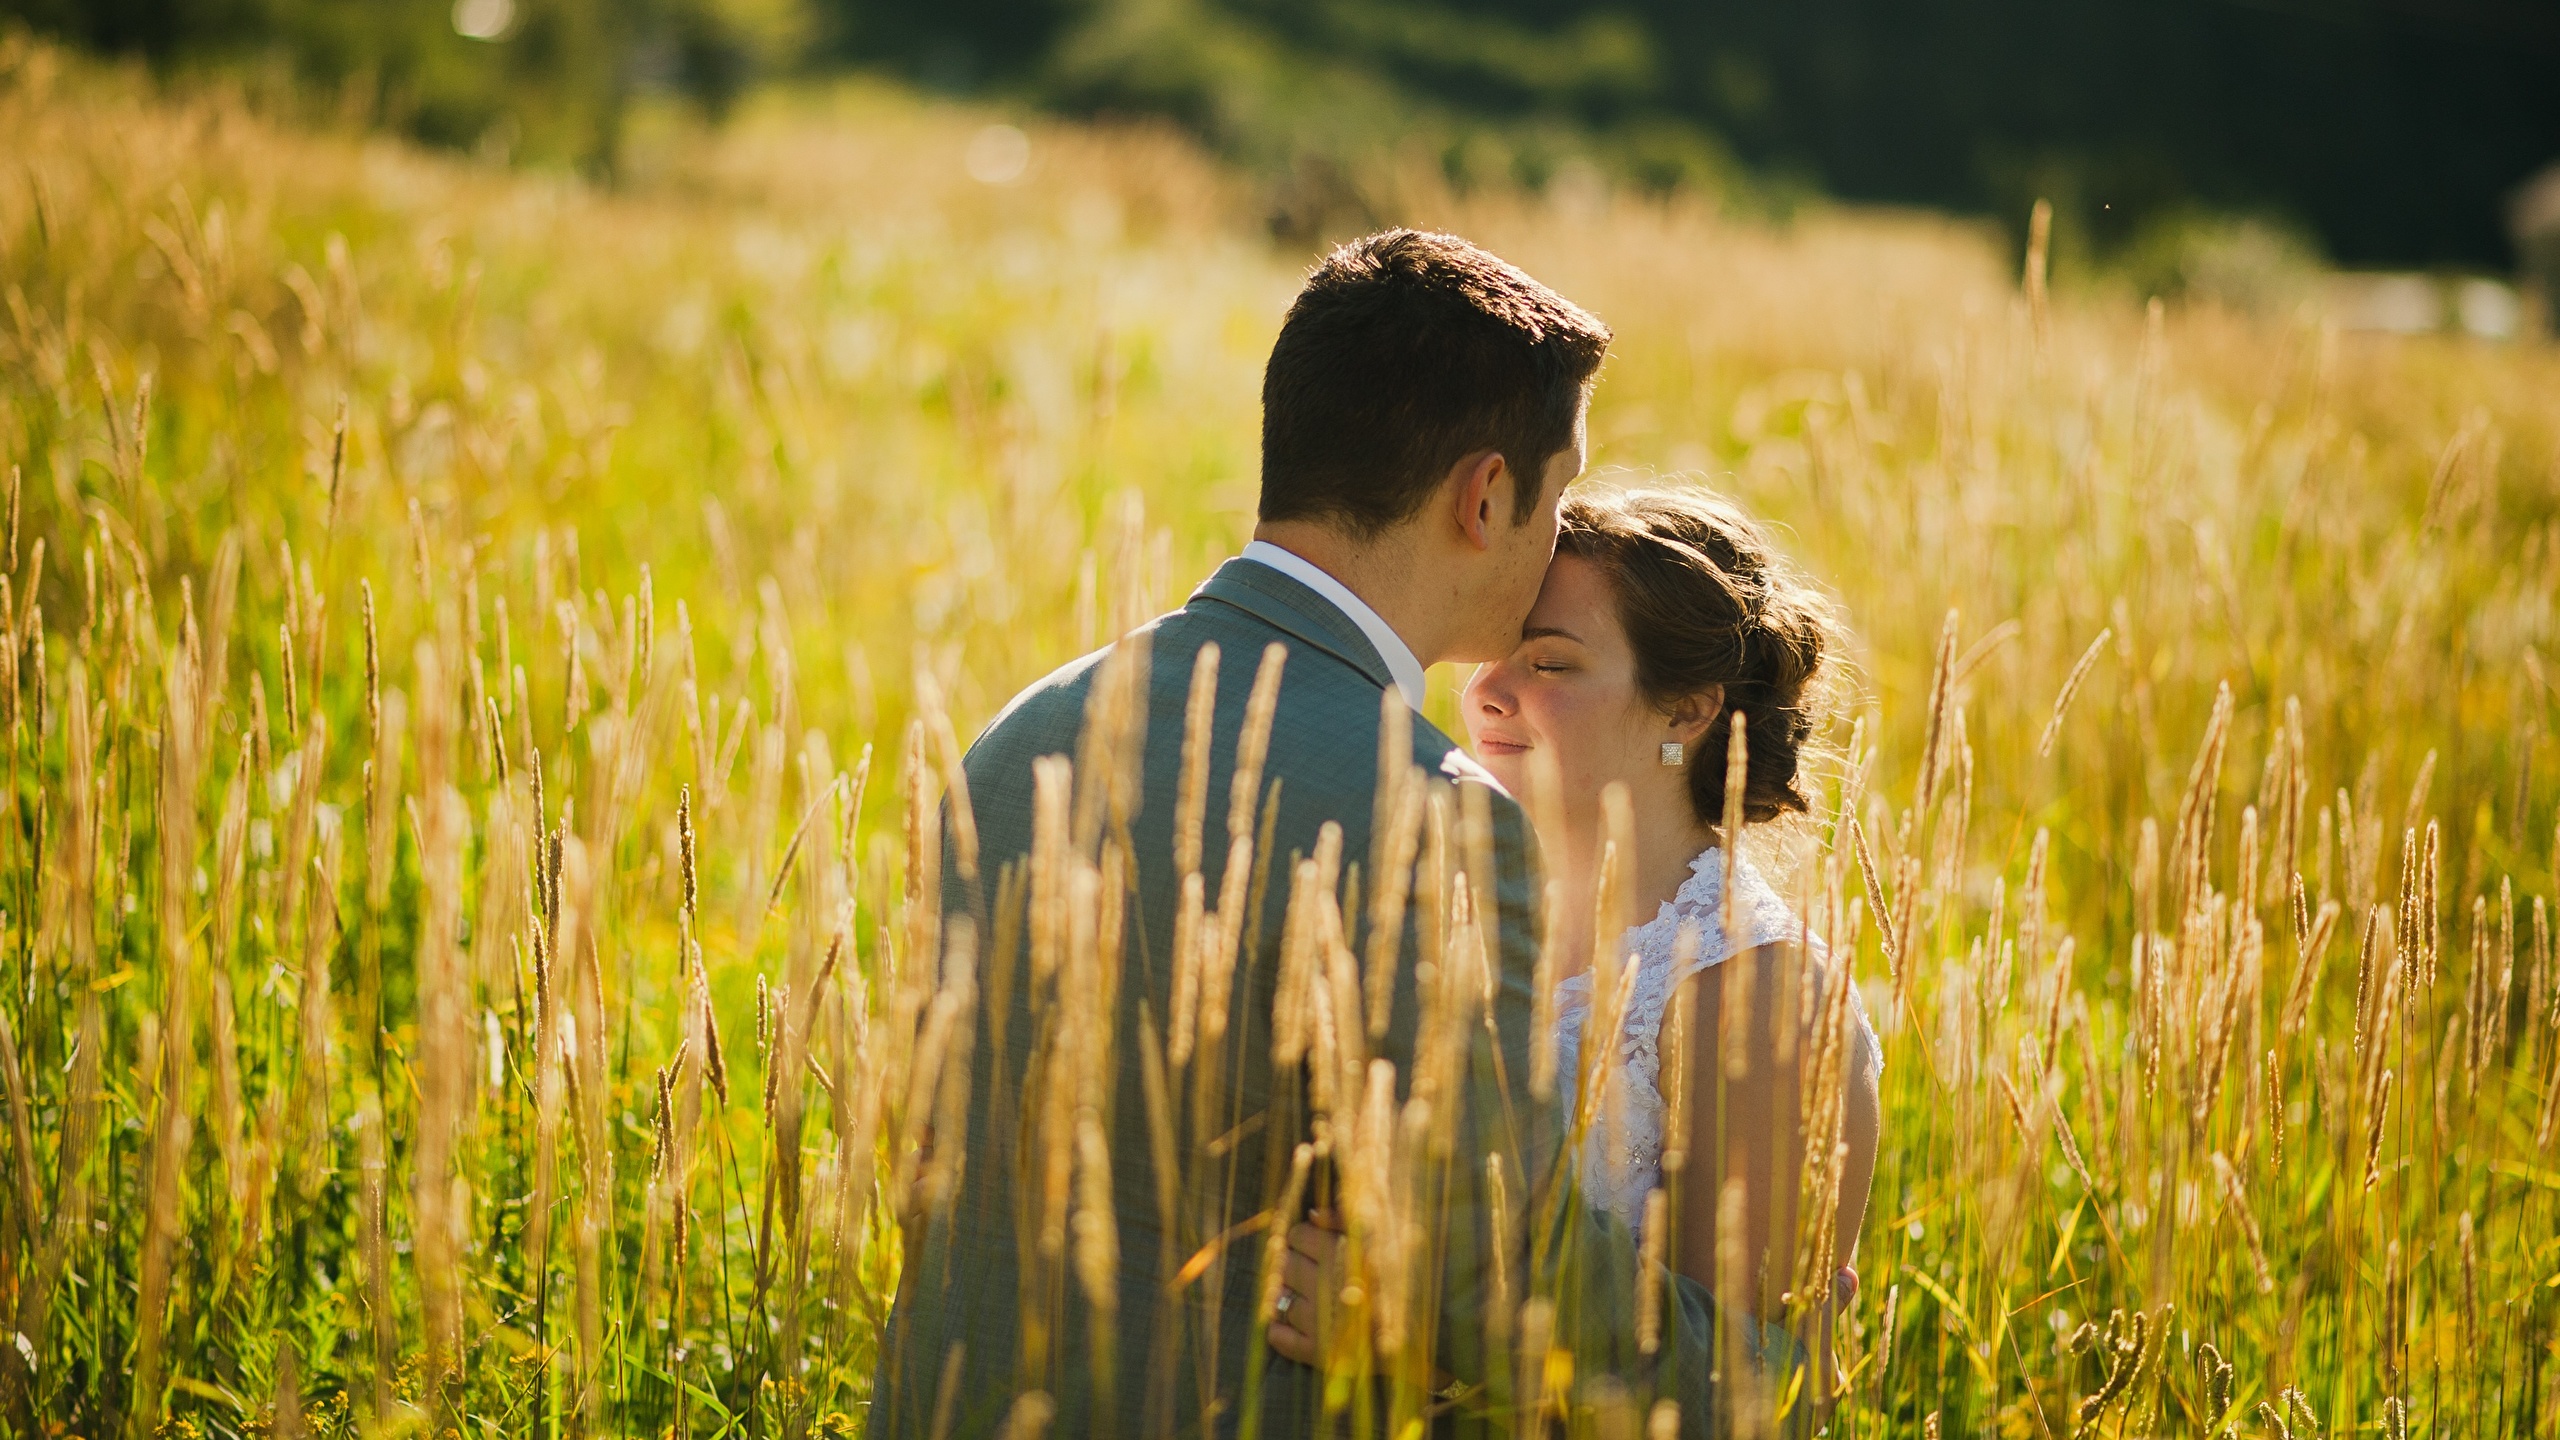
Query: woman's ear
(1696, 711)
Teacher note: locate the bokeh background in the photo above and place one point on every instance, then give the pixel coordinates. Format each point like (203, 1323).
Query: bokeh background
(2183, 143)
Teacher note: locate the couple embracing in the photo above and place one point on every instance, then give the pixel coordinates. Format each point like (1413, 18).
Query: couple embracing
(1319, 1085)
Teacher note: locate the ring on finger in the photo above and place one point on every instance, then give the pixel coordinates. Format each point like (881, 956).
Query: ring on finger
(1281, 1305)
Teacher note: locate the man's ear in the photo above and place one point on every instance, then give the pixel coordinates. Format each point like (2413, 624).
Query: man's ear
(1694, 712)
(1479, 495)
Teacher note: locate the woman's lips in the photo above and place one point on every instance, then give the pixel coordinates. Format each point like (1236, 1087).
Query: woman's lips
(1500, 745)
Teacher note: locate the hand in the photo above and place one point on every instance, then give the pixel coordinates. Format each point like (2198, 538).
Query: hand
(1310, 1285)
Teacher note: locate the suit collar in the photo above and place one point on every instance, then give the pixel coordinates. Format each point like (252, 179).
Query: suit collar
(1286, 604)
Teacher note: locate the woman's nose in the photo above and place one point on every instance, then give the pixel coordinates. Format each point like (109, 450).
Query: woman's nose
(1488, 691)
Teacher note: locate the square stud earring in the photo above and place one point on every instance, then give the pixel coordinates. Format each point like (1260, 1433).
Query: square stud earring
(1673, 752)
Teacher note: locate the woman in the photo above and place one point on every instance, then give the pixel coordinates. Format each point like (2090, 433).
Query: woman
(1664, 615)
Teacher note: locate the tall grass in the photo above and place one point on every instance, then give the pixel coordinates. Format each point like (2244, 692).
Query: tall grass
(483, 658)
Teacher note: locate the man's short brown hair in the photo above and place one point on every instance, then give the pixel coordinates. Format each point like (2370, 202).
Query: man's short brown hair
(1405, 353)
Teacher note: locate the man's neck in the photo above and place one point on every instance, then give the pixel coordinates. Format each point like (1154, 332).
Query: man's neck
(1381, 572)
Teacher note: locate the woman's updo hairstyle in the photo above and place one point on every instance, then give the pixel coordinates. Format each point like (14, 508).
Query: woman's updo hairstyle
(1707, 601)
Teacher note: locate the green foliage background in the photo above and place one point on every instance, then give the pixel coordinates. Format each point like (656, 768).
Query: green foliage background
(2386, 133)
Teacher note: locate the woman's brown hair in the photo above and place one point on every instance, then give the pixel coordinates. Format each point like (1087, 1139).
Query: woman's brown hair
(1706, 600)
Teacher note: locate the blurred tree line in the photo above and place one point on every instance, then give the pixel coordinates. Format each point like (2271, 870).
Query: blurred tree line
(544, 80)
(2387, 132)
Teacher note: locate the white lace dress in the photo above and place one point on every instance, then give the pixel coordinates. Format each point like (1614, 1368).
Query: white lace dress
(1622, 1153)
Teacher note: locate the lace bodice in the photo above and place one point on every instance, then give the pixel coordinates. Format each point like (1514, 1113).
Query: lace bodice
(1622, 1153)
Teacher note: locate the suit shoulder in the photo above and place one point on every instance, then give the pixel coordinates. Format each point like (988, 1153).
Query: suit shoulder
(1043, 718)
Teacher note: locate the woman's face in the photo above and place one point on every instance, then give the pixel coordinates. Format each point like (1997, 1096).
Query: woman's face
(1569, 689)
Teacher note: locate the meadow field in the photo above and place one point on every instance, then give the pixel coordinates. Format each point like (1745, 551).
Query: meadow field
(481, 654)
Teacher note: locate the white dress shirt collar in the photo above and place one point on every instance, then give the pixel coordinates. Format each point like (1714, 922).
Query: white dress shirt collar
(1399, 656)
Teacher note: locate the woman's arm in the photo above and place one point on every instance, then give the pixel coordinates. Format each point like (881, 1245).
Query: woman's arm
(1861, 1130)
(1736, 1225)
(1739, 1190)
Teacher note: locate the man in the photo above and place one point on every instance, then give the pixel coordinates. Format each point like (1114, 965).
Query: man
(1423, 411)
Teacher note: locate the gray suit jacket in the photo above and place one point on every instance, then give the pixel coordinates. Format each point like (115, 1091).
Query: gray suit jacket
(981, 1318)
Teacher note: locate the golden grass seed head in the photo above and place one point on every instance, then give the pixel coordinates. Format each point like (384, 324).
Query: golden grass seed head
(686, 852)
(2216, 1373)
(1544, 977)
(1649, 1280)
(1224, 936)
(1097, 1231)
(1291, 993)
(1253, 742)
(2071, 687)
(1395, 844)
(1029, 1417)
(1190, 921)
(1191, 805)
(2377, 1109)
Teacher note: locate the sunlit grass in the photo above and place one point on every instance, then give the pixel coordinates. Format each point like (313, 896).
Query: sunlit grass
(358, 488)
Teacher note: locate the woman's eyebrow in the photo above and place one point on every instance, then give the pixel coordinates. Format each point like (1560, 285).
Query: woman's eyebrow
(1541, 632)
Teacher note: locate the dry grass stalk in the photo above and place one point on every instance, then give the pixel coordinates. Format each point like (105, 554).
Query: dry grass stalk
(1394, 843)
(1498, 1290)
(2230, 995)
(1933, 738)
(2540, 1016)
(2235, 1195)
(1732, 1270)
(1030, 1416)
(2191, 852)
(583, 1043)
(1253, 742)
(1097, 1231)
(1190, 819)
(1191, 804)
(2123, 1348)
(171, 1099)
(1223, 931)
(2549, 1122)
(1164, 1158)
(1737, 782)
(374, 1201)
(1275, 1244)
(23, 1165)
(2310, 953)
(1547, 974)
(1293, 993)
(2493, 1028)
(1676, 1045)
(2377, 1103)
(1373, 1159)
(1597, 1101)
(1339, 984)
(2419, 917)
(1888, 1326)
(1534, 1390)
(2273, 1080)
(441, 1196)
(1875, 900)
(1947, 836)
(1823, 1110)
(549, 1085)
